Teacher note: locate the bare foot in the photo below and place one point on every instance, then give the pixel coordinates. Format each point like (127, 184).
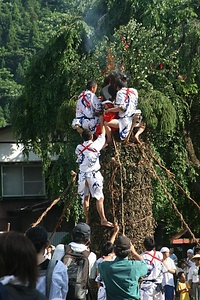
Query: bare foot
(107, 223)
(137, 139)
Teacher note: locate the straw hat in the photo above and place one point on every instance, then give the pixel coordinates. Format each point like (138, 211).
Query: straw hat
(196, 256)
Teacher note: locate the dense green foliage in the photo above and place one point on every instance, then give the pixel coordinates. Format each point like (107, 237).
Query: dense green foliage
(158, 45)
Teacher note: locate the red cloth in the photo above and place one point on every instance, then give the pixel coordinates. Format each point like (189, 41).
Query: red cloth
(107, 117)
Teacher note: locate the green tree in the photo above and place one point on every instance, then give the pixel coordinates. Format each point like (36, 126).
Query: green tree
(153, 43)
(61, 64)
(9, 90)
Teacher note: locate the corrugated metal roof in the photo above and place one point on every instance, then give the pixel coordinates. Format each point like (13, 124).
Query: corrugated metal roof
(58, 236)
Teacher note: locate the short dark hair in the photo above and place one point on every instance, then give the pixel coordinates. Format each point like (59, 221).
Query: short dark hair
(180, 274)
(121, 253)
(80, 239)
(18, 257)
(121, 81)
(149, 243)
(107, 248)
(196, 250)
(113, 77)
(38, 236)
(91, 84)
(86, 135)
(110, 79)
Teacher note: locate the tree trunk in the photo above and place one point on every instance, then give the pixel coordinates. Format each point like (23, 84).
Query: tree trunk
(128, 195)
(190, 149)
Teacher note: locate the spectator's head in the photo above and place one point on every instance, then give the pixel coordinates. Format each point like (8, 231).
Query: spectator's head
(81, 233)
(39, 237)
(107, 248)
(122, 246)
(182, 263)
(190, 253)
(196, 250)
(171, 250)
(149, 243)
(165, 252)
(92, 86)
(49, 249)
(18, 257)
(196, 259)
(181, 276)
(87, 135)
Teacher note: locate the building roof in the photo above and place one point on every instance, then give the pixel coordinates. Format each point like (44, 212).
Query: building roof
(182, 237)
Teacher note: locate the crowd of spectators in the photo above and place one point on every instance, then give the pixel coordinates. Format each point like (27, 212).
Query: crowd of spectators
(26, 272)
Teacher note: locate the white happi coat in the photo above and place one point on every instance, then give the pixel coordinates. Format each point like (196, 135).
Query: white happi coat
(86, 107)
(127, 98)
(154, 275)
(90, 179)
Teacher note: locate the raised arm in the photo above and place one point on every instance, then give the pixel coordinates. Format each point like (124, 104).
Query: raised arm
(102, 127)
(135, 254)
(115, 233)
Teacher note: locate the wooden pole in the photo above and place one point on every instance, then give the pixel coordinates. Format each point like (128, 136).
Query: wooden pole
(8, 227)
(56, 200)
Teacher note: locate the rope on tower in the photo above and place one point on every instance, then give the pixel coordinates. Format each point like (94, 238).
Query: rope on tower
(174, 206)
(171, 200)
(56, 200)
(172, 177)
(62, 216)
(121, 186)
(147, 217)
(111, 183)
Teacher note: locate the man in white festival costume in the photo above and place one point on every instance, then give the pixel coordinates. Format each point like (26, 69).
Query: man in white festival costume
(88, 108)
(151, 285)
(90, 180)
(126, 106)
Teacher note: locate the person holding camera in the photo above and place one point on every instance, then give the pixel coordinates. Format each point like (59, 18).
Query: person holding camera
(121, 276)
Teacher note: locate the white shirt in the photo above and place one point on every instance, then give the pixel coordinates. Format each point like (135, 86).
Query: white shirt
(127, 100)
(193, 274)
(155, 265)
(168, 278)
(88, 160)
(191, 263)
(87, 104)
(59, 285)
(60, 252)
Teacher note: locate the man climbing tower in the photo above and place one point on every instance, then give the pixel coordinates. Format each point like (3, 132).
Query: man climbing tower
(88, 108)
(90, 180)
(126, 106)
